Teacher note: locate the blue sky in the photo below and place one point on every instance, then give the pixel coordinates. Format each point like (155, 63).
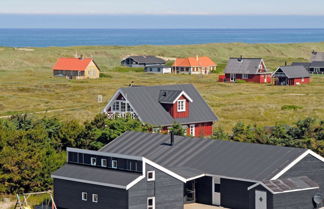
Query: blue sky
(202, 7)
(161, 14)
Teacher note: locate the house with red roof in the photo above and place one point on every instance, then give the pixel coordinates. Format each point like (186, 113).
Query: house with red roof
(76, 68)
(194, 65)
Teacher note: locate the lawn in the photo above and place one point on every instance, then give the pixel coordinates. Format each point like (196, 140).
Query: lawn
(27, 84)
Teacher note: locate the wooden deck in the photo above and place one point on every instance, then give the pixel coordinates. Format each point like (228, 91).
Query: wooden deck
(201, 206)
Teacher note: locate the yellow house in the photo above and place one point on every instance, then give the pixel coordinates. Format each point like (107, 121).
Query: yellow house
(76, 68)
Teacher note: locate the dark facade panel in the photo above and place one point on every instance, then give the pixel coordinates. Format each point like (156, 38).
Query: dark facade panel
(310, 167)
(294, 200)
(234, 194)
(68, 194)
(167, 190)
(122, 164)
(204, 190)
(252, 197)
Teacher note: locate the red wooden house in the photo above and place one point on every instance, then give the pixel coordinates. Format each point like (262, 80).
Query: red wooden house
(247, 69)
(162, 106)
(291, 75)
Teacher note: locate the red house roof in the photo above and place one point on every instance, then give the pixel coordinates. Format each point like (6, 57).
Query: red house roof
(76, 64)
(194, 62)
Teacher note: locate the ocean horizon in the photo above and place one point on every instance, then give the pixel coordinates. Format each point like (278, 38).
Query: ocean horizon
(132, 37)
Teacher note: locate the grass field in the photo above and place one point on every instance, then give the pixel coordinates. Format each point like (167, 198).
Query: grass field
(27, 85)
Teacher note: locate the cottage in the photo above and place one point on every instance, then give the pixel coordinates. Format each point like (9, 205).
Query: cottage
(317, 56)
(194, 65)
(247, 69)
(291, 75)
(154, 171)
(162, 69)
(315, 67)
(162, 106)
(142, 61)
(76, 68)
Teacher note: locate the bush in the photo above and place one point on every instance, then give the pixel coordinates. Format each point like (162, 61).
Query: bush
(291, 107)
(240, 81)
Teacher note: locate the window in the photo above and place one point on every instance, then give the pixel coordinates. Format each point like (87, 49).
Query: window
(114, 164)
(245, 76)
(94, 198)
(84, 196)
(104, 163)
(151, 203)
(129, 108)
(303, 79)
(116, 106)
(151, 176)
(192, 130)
(93, 161)
(123, 106)
(181, 105)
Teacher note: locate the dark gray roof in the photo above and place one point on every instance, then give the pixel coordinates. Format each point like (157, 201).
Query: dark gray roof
(295, 71)
(243, 65)
(147, 59)
(289, 184)
(93, 174)
(304, 64)
(168, 96)
(145, 101)
(190, 157)
(317, 56)
(317, 64)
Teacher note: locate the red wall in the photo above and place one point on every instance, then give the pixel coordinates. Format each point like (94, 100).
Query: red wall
(252, 78)
(298, 80)
(173, 110)
(202, 129)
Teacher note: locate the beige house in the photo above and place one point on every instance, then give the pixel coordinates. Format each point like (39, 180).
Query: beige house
(76, 68)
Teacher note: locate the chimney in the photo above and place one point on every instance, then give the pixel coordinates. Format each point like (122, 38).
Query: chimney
(81, 57)
(240, 59)
(197, 58)
(171, 138)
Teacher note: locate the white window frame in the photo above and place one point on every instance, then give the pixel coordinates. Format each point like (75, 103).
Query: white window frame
(153, 175)
(245, 76)
(95, 198)
(116, 106)
(181, 108)
(93, 161)
(153, 203)
(104, 164)
(86, 196)
(113, 162)
(192, 129)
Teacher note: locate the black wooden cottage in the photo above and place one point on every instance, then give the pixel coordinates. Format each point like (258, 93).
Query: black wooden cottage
(142, 61)
(156, 171)
(315, 67)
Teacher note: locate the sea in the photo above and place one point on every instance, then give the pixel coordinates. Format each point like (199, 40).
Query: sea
(133, 37)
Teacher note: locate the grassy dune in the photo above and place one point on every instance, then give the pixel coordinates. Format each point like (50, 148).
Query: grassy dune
(27, 85)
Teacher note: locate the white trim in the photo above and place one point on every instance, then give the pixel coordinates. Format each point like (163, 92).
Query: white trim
(192, 127)
(232, 178)
(167, 171)
(82, 195)
(185, 94)
(153, 176)
(112, 164)
(133, 183)
(195, 177)
(93, 161)
(153, 201)
(297, 160)
(102, 165)
(272, 192)
(105, 154)
(93, 198)
(183, 105)
(88, 182)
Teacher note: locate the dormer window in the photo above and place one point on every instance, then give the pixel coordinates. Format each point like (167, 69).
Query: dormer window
(181, 105)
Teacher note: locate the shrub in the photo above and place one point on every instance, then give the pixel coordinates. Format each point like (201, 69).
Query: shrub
(240, 81)
(291, 107)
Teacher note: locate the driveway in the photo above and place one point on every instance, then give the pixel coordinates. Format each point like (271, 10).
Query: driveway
(200, 206)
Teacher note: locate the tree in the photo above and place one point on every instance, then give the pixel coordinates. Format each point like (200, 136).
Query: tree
(178, 130)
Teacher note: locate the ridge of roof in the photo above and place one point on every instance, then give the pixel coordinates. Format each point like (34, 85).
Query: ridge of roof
(77, 64)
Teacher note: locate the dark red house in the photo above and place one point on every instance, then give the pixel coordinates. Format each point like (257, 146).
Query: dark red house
(162, 106)
(291, 75)
(248, 69)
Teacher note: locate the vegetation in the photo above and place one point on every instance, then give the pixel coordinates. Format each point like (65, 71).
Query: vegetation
(307, 133)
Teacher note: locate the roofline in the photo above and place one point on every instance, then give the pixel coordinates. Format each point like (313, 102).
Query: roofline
(88, 182)
(297, 160)
(185, 94)
(272, 192)
(106, 154)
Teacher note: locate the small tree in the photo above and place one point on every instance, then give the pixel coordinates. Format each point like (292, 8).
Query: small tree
(177, 129)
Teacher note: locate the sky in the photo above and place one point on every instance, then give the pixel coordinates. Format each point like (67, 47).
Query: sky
(161, 14)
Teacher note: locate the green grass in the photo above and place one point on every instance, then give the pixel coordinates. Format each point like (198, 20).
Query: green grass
(27, 84)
